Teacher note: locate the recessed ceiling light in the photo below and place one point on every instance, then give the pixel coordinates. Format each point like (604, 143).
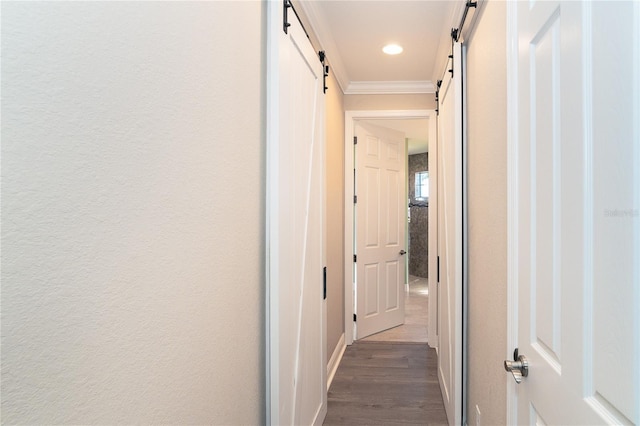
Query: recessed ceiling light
(392, 49)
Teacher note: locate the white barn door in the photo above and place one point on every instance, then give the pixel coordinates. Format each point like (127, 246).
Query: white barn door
(576, 212)
(450, 243)
(380, 228)
(296, 334)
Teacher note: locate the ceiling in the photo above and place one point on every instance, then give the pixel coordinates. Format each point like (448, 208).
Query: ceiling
(353, 33)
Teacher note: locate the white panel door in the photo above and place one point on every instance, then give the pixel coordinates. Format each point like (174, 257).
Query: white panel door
(577, 245)
(450, 289)
(380, 228)
(297, 316)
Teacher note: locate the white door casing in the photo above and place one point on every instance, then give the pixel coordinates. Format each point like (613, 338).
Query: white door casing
(296, 311)
(450, 239)
(380, 228)
(574, 211)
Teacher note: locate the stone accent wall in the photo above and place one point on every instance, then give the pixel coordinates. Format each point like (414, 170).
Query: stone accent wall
(419, 225)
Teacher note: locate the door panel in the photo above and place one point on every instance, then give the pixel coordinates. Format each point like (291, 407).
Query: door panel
(578, 233)
(395, 197)
(546, 172)
(393, 272)
(450, 289)
(380, 229)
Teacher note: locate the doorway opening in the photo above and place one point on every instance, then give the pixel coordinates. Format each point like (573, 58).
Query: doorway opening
(416, 269)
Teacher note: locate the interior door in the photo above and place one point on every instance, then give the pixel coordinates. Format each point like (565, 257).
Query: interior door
(380, 228)
(450, 244)
(577, 251)
(297, 317)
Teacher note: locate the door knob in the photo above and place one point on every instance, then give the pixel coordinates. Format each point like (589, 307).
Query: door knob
(519, 367)
(402, 252)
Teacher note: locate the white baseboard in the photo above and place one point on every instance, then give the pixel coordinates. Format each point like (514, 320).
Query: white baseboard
(335, 359)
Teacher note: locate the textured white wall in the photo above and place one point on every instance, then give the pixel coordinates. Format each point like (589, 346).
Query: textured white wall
(132, 212)
(487, 223)
(334, 213)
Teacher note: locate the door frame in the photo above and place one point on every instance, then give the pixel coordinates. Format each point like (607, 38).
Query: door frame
(512, 205)
(350, 118)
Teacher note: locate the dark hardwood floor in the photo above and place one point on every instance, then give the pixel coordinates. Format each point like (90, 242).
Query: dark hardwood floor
(386, 383)
(390, 378)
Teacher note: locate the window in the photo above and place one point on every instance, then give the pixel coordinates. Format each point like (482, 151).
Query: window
(422, 186)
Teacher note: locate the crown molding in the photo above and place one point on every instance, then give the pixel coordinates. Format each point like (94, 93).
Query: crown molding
(322, 31)
(389, 87)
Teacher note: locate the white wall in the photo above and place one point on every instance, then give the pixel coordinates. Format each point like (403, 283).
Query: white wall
(334, 175)
(132, 212)
(487, 210)
(390, 102)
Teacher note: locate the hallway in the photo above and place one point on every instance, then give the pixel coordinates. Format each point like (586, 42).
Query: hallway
(390, 378)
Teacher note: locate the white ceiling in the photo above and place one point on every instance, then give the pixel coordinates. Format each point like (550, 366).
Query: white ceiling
(353, 33)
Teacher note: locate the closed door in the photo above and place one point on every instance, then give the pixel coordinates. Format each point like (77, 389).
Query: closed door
(296, 349)
(576, 251)
(380, 228)
(450, 288)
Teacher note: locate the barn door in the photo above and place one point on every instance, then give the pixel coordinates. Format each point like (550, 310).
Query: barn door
(450, 243)
(296, 351)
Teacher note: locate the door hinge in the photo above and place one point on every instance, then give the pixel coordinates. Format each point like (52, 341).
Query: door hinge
(355, 258)
(355, 140)
(324, 283)
(355, 199)
(355, 317)
(438, 269)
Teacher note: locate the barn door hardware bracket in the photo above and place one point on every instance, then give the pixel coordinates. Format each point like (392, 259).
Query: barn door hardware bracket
(451, 56)
(326, 74)
(285, 16)
(438, 84)
(455, 32)
(286, 5)
(325, 70)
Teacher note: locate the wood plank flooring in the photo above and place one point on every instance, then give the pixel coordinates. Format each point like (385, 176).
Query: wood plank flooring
(390, 378)
(390, 384)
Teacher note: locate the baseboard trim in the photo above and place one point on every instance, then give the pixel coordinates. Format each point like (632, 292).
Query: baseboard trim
(335, 359)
